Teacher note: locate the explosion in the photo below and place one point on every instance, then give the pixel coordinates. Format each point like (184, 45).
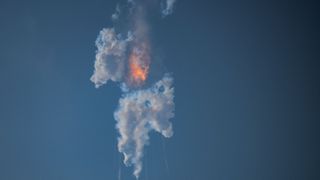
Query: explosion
(125, 58)
(139, 61)
(137, 72)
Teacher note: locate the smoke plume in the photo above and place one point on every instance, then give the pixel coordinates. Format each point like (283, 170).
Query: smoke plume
(125, 58)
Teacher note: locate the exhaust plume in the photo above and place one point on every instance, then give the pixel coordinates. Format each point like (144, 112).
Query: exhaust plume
(126, 59)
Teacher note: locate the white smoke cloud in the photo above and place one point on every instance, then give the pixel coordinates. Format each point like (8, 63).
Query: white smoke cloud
(168, 9)
(110, 57)
(140, 112)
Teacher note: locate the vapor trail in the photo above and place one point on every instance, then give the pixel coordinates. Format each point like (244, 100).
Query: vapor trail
(119, 171)
(165, 157)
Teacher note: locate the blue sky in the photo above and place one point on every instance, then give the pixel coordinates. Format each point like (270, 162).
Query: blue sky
(246, 92)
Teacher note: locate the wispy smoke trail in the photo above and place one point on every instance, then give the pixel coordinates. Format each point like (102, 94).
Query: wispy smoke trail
(115, 16)
(126, 59)
(168, 7)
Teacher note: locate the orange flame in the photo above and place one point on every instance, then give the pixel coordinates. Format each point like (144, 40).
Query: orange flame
(139, 66)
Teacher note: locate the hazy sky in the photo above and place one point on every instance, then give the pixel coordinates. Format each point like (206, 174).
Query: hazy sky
(246, 92)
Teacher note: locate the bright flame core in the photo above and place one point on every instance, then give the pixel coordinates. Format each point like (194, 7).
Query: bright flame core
(139, 66)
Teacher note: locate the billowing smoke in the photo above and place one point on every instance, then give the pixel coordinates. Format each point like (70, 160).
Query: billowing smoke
(140, 112)
(110, 57)
(125, 58)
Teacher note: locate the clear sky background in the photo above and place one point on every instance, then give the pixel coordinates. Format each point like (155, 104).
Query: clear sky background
(246, 92)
